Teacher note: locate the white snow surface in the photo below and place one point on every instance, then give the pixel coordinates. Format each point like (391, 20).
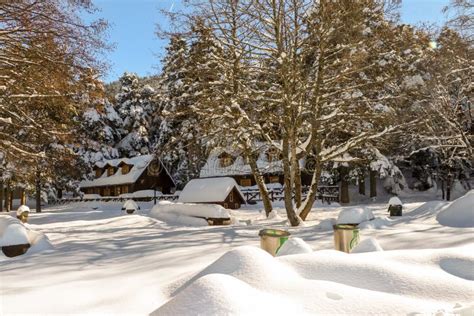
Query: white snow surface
(107, 263)
(395, 200)
(294, 246)
(459, 213)
(22, 209)
(189, 209)
(367, 245)
(208, 190)
(355, 215)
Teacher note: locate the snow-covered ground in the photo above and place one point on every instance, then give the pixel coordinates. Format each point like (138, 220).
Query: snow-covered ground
(107, 262)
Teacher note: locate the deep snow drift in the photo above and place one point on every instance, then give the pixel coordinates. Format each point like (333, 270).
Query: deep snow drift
(248, 280)
(107, 262)
(459, 213)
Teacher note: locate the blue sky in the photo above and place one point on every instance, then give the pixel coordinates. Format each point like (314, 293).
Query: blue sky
(139, 50)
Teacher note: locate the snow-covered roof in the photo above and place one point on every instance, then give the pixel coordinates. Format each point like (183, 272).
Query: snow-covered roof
(213, 168)
(139, 165)
(206, 190)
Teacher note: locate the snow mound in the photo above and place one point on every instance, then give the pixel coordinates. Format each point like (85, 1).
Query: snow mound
(367, 245)
(294, 246)
(247, 279)
(13, 232)
(395, 200)
(355, 215)
(459, 213)
(274, 215)
(22, 209)
(177, 219)
(130, 205)
(188, 209)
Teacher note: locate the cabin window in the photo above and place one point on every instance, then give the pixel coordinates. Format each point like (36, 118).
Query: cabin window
(226, 161)
(118, 190)
(231, 197)
(274, 179)
(125, 189)
(110, 171)
(98, 173)
(245, 182)
(125, 169)
(97, 191)
(106, 192)
(273, 155)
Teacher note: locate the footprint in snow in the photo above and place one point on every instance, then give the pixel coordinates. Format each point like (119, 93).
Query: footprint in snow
(333, 296)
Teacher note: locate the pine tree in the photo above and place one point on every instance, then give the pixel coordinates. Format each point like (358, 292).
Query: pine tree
(135, 104)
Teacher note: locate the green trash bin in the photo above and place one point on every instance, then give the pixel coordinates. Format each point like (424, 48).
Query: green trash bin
(272, 239)
(346, 237)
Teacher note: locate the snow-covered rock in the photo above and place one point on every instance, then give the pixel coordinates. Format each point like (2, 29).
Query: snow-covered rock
(459, 213)
(13, 232)
(355, 215)
(294, 246)
(367, 245)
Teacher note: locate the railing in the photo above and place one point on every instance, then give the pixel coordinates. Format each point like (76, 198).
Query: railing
(326, 193)
(161, 197)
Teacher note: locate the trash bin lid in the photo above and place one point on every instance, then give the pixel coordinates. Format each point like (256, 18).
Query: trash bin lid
(274, 233)
(345, 226)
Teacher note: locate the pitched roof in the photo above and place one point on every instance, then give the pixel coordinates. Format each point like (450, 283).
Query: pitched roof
(140, 163)
(206, 190)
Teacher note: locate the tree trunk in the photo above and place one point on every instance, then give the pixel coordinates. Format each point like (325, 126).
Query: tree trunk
(449, 184)
(38, 191)
(295, 172)
(442, 189)
(344, 185)
(288, 188)
(362, 185)
(1, 196)
(7, 197)
(373, 183)
(313, 191)
(267, 204)
(22, 197)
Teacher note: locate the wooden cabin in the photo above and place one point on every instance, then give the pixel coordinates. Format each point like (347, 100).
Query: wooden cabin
(223, 191)
(128, 175)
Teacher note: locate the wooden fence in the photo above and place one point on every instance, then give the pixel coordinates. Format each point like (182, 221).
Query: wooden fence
(326, 193)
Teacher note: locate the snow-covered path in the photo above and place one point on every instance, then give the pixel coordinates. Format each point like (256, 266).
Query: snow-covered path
(106, 262)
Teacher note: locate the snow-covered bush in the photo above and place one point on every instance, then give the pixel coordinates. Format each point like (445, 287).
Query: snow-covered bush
(355, 215)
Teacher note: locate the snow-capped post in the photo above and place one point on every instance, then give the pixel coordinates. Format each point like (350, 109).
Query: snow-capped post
(395, 206)
(22, 213)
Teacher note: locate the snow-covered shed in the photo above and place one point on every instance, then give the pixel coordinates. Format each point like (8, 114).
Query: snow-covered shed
(223, 191)
(127, 175)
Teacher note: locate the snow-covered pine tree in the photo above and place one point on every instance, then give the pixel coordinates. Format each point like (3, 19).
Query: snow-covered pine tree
(135, 104)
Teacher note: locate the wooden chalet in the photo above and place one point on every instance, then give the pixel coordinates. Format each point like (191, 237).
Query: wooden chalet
(223, 191)
(128, 175)
(228, 163)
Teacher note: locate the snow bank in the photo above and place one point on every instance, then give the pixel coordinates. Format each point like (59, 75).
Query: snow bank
(13, 232)
(294, 246)
(247, 280)
(355, 215)
(367, 245)
(459, 213)
(188, 214)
